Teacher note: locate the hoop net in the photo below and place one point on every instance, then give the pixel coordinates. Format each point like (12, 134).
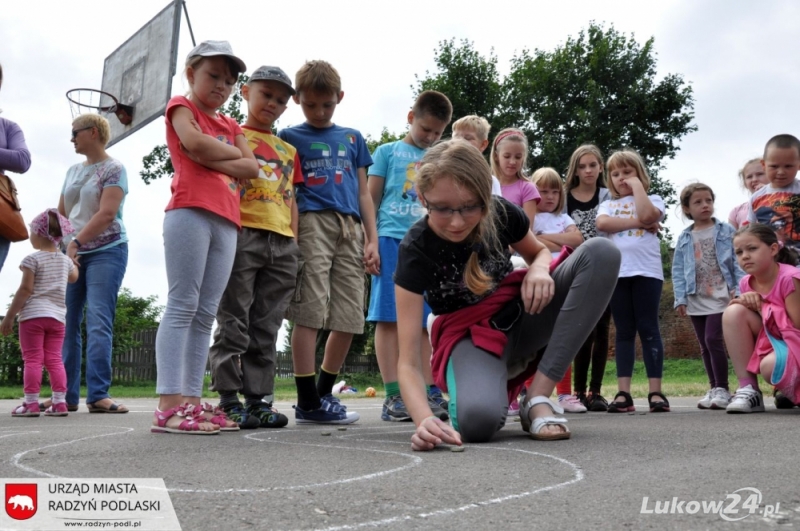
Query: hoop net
(83, 101)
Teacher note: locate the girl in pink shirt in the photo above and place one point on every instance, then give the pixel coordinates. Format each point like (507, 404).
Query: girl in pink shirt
(762, 326)
(509, 159)
(753, 178)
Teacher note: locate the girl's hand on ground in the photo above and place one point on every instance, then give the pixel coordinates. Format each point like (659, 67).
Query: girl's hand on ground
(681, 310)
(538, 289)
(750, 300)
(432, 432)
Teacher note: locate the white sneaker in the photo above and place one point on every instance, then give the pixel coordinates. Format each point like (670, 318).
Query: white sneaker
(746, 400)
(705, 402)
(721, 398)
(571, 404)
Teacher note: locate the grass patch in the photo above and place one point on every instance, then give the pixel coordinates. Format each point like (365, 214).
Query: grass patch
(681, 378)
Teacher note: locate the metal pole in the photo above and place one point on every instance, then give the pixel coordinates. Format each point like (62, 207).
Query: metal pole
(188, 22)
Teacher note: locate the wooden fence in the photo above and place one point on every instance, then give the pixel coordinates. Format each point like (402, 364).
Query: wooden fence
(138, 364)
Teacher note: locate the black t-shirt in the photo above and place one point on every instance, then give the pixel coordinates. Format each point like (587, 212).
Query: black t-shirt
(584, 214)
(434, 267)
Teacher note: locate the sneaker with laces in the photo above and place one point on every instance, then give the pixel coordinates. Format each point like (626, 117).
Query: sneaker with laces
(746, 400)
(705, 402)
(330, 411)
(241, 416)
(438, 405)
(57, 410)
(571, 404)
(721, 398)
(26, 410)
(268, 416)
(782, 401)
(394, 409)
(513, 408)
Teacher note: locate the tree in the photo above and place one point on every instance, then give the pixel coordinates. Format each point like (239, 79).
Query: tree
(385, 138)
(469, 80)
(600, 87)
(158, 164)
(133, 315)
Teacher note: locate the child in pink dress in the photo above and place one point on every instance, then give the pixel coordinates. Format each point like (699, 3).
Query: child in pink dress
(762, 326)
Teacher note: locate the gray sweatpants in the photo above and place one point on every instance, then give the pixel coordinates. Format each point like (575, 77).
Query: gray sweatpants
(199, 248)
(477, 380)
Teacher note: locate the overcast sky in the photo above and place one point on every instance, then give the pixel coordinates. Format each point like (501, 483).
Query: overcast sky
(740, 57)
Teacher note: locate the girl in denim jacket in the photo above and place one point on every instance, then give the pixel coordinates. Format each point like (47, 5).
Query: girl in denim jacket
(704, 273)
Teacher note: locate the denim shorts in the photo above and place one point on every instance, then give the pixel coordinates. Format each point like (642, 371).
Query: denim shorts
(382, 306)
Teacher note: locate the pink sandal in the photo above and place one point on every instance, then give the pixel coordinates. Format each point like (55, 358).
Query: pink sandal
(216, 415)
(190, 425)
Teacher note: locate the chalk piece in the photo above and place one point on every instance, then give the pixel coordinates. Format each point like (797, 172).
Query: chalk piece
(631, 413)
(456, 448)
(325, 433)
(643, 413)
(516, 419)
(342, 429)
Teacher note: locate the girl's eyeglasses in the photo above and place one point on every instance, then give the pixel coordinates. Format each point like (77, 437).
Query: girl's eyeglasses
(467, 212)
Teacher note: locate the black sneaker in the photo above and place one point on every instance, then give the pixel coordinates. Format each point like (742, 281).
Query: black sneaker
(239, 414)
(596, 402)
(782, 401)
(394, 410)
(268, 416)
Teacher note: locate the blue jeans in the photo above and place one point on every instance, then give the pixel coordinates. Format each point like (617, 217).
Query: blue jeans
(4, 245)
(96, 290)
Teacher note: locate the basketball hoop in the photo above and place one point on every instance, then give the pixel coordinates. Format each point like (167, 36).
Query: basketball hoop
(83, 100)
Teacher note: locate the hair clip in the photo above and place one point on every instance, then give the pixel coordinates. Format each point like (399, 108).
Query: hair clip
(780, 244)
(477, 247)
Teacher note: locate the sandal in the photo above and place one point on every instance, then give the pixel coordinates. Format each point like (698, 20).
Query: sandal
(621, 407)
(192, 416)
(658, 406)
(540, 422)
(217, 415)
(113, 408)
(72, 408)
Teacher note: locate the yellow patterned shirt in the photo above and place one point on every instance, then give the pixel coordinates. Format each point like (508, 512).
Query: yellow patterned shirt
(266, 202)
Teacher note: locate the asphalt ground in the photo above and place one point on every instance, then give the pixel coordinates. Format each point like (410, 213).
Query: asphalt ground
(366, 476)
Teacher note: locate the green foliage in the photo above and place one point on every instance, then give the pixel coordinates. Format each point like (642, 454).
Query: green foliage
(469, 80)
(598, 87)
(666, 257)
(158, 163)
(363, 344)
(385, 138)
(133, 315)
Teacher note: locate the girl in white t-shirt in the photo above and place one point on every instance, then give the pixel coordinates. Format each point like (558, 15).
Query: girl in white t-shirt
(554, 228)
(39, 301)
(631, 220)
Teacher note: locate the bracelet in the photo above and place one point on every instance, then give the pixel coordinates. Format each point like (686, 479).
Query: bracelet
(77, 242)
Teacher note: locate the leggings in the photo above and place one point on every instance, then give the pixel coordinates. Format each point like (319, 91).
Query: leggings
(477, 380)
(635, 309)
(594, 351)
(199, 248)
(712, 348)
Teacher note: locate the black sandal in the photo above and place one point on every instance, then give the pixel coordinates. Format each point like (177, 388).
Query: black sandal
(621, 407)
(659, 406)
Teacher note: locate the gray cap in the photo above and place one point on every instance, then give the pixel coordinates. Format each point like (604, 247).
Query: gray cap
(213, 48)
(272, 73)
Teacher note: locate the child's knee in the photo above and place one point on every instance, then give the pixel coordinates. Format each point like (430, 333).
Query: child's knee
(766, 367)
(477, 422)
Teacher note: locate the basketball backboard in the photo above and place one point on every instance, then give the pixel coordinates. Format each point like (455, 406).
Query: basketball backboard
(139, 73)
